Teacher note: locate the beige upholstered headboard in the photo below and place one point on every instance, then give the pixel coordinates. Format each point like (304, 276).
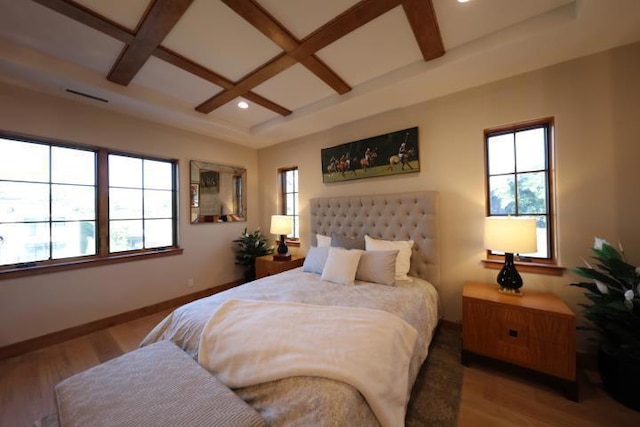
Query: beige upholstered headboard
(400, 216)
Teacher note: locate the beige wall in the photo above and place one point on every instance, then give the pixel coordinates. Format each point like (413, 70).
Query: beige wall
(596, 105)
(41, 304)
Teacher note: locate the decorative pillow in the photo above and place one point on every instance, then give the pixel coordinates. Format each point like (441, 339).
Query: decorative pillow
(323, 241)
(339, 241)
(315, 260)
(378, 267)
(403, 260)
(341, 266)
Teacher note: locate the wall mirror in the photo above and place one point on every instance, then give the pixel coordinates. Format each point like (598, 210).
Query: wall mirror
(217, 193)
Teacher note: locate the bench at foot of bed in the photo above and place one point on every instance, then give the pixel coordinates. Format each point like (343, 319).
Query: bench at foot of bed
(157, 385)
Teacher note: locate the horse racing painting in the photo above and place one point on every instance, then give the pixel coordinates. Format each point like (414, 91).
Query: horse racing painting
(389, 154)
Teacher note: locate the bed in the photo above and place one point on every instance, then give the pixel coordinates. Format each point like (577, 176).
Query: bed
(303, 397)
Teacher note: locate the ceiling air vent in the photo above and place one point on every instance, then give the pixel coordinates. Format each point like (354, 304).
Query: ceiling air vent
(86, 95)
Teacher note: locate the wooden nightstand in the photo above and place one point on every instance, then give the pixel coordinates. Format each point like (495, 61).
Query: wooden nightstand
(535, 331)
(266, 266)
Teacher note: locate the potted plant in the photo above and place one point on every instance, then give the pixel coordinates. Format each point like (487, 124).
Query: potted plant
(251, 246)
(614, 311)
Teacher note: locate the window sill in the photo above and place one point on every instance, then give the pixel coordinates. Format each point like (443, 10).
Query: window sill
(78, 263)
(293, 243)
(526, 267)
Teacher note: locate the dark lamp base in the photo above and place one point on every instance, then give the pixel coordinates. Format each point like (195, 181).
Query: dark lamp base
(282, 257)
(509, 279)
(282, 254)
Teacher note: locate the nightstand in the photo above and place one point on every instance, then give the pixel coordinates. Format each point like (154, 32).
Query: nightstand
(266, 266)
(534, 331)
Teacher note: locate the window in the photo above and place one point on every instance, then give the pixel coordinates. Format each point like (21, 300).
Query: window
(141, 200)
(519, 179)
(289, 193)
(62, 204)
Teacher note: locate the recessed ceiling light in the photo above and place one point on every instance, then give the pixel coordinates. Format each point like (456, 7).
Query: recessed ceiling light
(463, 1)
(243, 105)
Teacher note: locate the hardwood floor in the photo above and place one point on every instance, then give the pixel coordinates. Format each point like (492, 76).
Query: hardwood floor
(491, 396)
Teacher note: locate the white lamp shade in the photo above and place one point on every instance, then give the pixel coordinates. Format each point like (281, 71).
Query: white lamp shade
(281, 224)
(510, 235)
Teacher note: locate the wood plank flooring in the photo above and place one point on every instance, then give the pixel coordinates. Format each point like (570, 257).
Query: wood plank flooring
(491, 396)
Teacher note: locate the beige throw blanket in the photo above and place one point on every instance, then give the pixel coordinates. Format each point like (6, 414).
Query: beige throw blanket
(252, 342)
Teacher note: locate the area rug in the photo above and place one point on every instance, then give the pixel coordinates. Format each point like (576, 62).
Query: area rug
(435, 399)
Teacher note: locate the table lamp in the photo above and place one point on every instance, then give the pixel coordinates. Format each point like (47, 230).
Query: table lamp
(283, 226)
(510, 235)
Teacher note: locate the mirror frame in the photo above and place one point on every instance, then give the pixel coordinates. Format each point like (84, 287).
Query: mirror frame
(212, 180)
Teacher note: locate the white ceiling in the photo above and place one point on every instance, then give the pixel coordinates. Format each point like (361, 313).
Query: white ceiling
(484, 40)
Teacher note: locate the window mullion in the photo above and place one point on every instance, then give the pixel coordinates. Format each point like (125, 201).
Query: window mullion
(50, 179)
(103, 203)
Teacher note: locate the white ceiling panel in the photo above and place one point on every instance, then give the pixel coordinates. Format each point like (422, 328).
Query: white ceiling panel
(215, 37)
(127, 13)
(232, 114)
(383, 45)
(163, 77)
(463, 22)
(294, 88)
(302, 17)
(42, 29)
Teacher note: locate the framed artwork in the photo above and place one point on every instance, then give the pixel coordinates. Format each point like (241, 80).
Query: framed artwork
(390, 154)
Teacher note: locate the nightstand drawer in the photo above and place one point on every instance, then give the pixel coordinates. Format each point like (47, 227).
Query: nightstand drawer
(517, 324)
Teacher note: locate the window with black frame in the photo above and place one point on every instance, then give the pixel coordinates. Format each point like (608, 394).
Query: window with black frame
(519, 180)
(289, 197)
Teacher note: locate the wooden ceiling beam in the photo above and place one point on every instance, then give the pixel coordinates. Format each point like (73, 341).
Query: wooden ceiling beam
(89, 18)
(268, 25)
(215, 78)
(189, 66)
(158, 21)
(343, 24)
(424, 23)
(98, 22)
(258, 76)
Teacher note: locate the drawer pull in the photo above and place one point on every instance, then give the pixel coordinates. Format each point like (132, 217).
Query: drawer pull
(513, 333)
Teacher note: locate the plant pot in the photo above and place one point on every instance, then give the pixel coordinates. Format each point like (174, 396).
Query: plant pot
(250, 273)
(620, 377)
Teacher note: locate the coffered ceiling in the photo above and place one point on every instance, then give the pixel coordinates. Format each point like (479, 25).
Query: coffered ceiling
(301, 65)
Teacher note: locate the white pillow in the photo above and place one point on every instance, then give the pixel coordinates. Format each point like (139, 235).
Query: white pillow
(323, 241)
(403, 260)
(341, 266)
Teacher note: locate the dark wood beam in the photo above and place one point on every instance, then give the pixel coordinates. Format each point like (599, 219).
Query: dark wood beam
(157, 23)
(424, 23)
(264, 102)
(351, 19)
(98, 22)
(264, 22)
(258, 76)
(215, 78)
(189, 66)
(89, 18)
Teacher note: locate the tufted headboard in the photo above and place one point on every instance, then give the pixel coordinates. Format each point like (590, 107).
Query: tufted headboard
(400, 216)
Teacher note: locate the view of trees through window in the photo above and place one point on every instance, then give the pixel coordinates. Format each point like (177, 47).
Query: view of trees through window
(518, 178)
